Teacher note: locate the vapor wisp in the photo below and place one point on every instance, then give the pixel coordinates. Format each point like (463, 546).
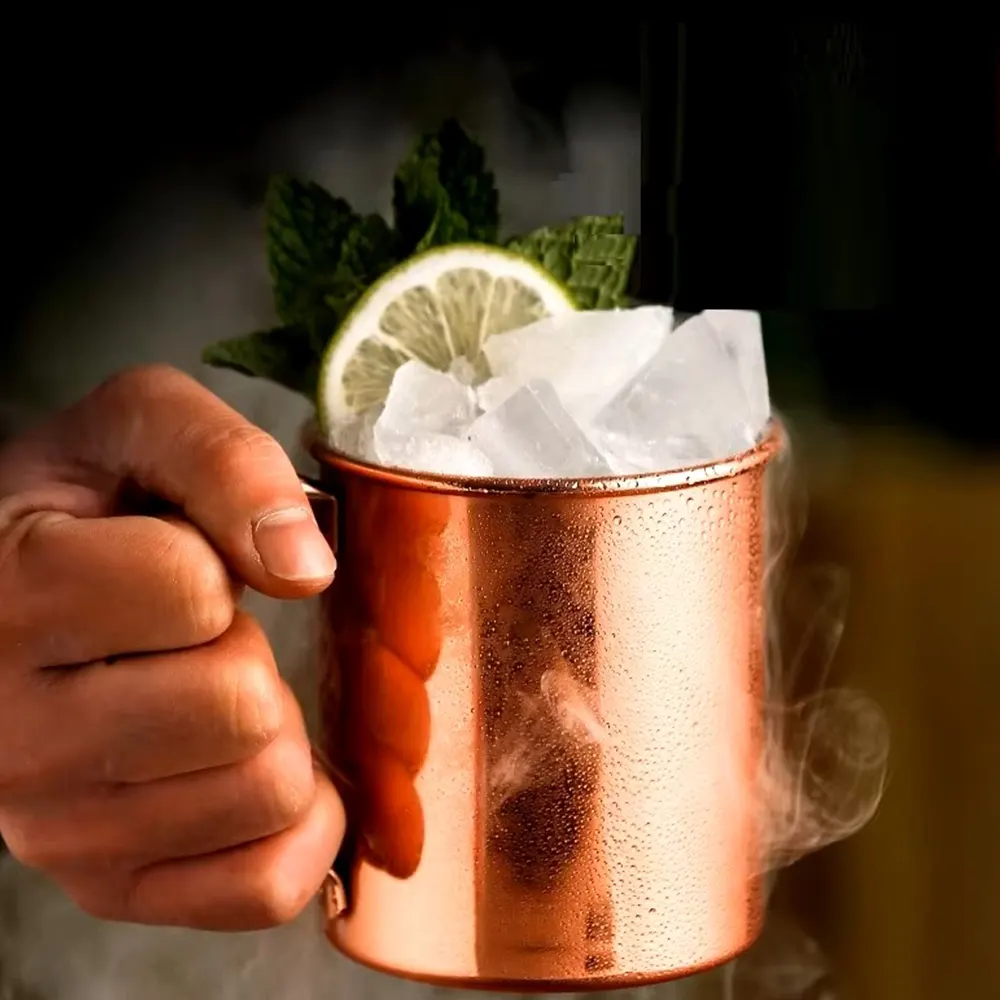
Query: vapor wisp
(825, 758)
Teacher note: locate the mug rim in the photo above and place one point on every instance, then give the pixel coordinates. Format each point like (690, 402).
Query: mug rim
(772, 441)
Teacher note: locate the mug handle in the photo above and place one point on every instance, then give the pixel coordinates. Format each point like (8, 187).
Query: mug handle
(314, 492)
(333, 894)
(322, 502)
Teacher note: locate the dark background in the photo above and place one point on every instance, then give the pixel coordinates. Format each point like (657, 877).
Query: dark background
(844, 175)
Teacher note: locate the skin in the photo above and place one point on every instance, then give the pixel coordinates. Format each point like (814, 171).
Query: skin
(152, 761)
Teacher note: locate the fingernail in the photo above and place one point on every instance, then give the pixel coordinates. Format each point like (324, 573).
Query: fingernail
(291, 547)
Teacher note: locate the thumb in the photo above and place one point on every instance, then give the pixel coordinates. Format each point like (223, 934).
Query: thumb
(161, 430)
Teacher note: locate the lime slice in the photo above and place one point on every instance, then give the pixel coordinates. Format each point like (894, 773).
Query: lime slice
(435, 307)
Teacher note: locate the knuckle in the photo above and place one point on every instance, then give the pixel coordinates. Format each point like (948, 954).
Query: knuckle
(32, 846)
(100, 900)
(238, 449)
(138, 379)
(26, 547)
(276, 898)
(137, 382)
(29, 533)
(284, 782)
(203, 586)
(111, 892)
(124, 399)
(252, 702)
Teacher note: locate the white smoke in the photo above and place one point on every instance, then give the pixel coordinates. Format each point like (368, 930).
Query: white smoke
(825, 759)
(184, 267)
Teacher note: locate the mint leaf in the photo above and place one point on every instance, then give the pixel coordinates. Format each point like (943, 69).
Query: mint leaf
(317, 283)
(443, 193)
(591, 255)
(367, 252)
(306, 227)
(323, 256)
(285, 355)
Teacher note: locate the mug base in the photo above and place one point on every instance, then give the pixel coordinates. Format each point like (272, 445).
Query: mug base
(505, 984)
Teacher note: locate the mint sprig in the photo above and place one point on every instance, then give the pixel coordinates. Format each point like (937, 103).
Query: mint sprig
(591, 255)
(286, 355)
(442, 193)
(322, 255)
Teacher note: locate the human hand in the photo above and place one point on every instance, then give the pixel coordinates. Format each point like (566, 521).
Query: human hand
(152, 761)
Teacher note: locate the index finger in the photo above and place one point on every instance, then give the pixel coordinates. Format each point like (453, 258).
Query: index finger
(165, 432)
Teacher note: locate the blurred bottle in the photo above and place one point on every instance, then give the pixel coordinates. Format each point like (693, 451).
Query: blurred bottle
(843, 177)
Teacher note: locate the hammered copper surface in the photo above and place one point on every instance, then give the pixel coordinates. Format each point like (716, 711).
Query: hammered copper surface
(544, 700)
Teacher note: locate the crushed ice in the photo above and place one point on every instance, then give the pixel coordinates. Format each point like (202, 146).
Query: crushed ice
(583, 394)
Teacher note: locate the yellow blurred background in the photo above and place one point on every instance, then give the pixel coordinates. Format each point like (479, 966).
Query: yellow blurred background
(909, 909)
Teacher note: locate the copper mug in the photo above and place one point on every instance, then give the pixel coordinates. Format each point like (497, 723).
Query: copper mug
(541, 701)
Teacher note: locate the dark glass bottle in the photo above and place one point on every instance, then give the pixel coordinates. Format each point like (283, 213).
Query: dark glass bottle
(765, 165)
(841, 177)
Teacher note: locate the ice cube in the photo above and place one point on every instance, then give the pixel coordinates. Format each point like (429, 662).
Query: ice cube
(356, 437)
(531, 436)
(494, 391)
(424, 421)
(587, 357)
(430, 452)
(741, 336)
(686, 406)
(424, 400)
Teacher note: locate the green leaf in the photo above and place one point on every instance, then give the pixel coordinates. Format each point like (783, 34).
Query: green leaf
(285, 355)
(367, 252)
(443, 193)
(322, 255)
(592, 255)
(306, 228)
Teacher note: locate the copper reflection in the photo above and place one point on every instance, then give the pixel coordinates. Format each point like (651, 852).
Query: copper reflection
(544, 702)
